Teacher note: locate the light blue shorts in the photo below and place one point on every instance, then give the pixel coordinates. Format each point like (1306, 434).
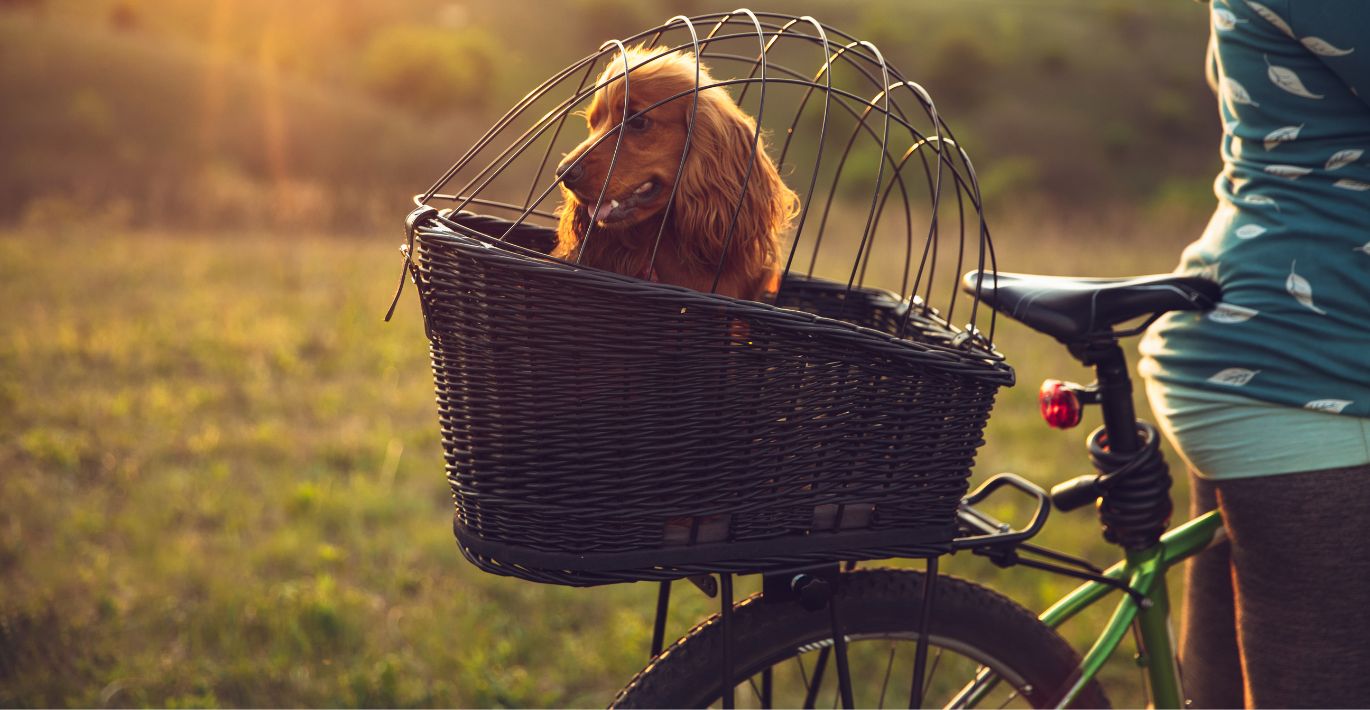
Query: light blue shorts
(1223, 436)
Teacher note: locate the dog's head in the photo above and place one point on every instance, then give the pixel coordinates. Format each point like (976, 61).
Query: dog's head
(723, 149)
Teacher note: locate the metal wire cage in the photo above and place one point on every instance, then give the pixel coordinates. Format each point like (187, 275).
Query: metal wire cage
(600, 427)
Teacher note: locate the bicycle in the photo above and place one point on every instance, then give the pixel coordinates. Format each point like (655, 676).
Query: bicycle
(600, 429)
(1008, 644)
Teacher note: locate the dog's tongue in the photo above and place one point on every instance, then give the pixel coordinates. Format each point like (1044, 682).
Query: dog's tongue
(604, 210)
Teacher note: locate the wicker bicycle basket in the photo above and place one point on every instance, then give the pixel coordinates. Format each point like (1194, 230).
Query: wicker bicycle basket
(600, 427)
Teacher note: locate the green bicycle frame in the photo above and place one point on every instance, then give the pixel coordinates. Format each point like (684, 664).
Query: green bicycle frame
(1145, 573)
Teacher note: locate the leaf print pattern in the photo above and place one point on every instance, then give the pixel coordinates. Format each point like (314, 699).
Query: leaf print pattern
(1271, 17)
(1293, 172)
(1318, 45)
(1301, 290)
(1231, 313)
(1236, 93)
(1343, 158)
(1281, 135)
(1223, 19)
(1235, 376)
(1306, 142)
(1286, 79)
(1328, 405)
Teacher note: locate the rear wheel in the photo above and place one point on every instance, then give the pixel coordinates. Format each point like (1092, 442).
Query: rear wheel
(984, 651)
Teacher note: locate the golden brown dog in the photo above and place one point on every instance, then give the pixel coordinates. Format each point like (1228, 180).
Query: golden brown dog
(696, 237)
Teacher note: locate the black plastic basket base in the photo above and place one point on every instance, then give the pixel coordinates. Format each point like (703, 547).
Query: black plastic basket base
(589, 569)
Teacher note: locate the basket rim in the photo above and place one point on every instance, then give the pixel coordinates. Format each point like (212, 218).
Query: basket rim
(969, 358)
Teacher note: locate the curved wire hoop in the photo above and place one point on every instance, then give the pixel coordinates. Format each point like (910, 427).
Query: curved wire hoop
(856, 131)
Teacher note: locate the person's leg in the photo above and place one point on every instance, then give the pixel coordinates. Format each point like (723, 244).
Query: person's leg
(1301, 572)
(1209, 660)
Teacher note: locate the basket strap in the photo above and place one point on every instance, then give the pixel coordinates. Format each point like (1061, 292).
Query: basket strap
(411, 223)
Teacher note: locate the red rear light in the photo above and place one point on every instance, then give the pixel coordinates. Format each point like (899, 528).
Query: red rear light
(1060, 407)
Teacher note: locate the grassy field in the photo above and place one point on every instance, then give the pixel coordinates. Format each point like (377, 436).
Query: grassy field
(223, 483)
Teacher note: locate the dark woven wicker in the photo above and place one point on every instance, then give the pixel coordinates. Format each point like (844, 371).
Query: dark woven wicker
(602, 429)
(599, 428)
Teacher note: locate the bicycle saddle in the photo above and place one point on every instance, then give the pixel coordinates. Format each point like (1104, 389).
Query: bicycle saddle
(1071, 309)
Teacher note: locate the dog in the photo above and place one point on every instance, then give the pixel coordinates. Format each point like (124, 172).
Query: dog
(698, 234)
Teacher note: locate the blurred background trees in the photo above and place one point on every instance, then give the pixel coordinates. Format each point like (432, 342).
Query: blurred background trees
(195, 113)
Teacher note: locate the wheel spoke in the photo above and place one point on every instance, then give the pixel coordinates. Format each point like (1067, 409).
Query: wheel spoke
(889, 665)
(932, 672)
(1010, 698)
(811, 695)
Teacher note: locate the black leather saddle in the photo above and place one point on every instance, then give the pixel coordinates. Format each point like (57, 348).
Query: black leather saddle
(1074, 309)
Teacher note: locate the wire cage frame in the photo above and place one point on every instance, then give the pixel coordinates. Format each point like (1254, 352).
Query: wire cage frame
(601, 427)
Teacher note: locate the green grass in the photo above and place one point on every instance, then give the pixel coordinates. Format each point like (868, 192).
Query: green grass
(223, 483)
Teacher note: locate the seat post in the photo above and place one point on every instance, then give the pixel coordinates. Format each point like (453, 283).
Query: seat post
(1115, 391)
(1134, 483)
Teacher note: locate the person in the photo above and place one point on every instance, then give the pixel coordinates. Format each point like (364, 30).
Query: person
(1267, 396)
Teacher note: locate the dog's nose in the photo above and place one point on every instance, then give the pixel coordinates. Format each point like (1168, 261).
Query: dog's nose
(570, 173)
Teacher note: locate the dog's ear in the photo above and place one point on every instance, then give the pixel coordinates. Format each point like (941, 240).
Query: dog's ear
(572, 224)
(720, 154)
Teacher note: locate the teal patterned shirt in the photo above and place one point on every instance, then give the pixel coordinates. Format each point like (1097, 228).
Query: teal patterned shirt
(1290, 239)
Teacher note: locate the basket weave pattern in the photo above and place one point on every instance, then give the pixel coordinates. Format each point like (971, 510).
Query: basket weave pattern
(599, 428)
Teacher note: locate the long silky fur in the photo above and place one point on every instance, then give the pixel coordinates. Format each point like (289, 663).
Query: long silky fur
(696, 237)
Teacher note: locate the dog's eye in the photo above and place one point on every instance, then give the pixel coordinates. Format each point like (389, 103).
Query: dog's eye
(639, 123)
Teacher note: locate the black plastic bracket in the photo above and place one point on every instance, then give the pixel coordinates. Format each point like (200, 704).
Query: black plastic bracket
(1087, 394)
(807, 585)
(705, 583)
(988, 531)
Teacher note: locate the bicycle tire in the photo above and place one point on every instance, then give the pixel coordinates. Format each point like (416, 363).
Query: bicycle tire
(880, 603)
